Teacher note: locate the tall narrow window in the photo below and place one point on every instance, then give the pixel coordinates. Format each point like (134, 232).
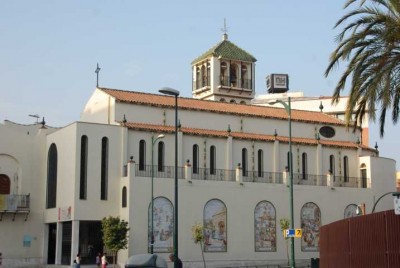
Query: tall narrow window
(51, 197)
(161, 156)
(289, 161)
(104, 168)
(212, 160)
(363, 171)
(304, 166)
(346, 168)
(83, 175)
(142, 155)
(260, 164)
(244, 162)
(332, 165)
(195, 159)
(124, 197)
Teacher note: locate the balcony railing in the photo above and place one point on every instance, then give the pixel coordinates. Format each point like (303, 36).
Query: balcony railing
(248, 176)
(214, 175)
(228, 81)
(264, 177)
(164, 172)
(14, 204)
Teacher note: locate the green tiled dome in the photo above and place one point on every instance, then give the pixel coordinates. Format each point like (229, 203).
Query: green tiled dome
(227, 50)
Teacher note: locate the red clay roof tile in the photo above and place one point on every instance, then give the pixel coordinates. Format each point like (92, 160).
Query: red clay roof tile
(220, 107)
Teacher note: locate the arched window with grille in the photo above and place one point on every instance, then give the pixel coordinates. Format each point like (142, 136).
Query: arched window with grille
(161, 156)
(332, 165)
(212, 160)
(142, 155)
(304, 166)
(260, 162)
(346, 169)
(244, 163)
(195, 159)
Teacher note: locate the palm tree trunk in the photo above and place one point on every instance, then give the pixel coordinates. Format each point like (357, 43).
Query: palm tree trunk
(287, 251)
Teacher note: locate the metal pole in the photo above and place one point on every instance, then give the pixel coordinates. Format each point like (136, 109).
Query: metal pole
(152, 196)
(292, 264)
(176, 185)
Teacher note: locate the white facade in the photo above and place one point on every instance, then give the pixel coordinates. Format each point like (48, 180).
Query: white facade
(56, 185)
(239, 193)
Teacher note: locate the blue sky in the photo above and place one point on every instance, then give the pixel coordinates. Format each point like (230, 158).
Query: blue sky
(49, 49)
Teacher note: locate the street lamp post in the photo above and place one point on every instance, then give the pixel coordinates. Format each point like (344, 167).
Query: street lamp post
(153, 141)
(289, 112)
(175, 93)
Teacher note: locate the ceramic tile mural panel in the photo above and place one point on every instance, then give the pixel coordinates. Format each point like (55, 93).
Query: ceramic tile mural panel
(215, 237)
(163, 224)
(265, 227)
(310, 223)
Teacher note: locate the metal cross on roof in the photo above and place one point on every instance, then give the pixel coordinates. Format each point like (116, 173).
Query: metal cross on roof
(225, 29)
(97, 74)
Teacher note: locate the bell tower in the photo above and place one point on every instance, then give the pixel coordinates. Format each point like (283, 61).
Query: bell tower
(224, 73)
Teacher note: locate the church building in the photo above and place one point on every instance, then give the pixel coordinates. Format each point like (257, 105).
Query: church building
(233, 171)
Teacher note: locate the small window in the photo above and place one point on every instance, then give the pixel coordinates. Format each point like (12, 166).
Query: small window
(212, 160)
(124, 197)
(327, 132)
(161, 153)
(195, 159)
(142, 155)
(244, 162)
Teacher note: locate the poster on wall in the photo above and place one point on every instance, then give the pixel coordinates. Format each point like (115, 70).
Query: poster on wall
(215, 237)
(310, 223)
(265, 227)
(65, 213)
(163, 225)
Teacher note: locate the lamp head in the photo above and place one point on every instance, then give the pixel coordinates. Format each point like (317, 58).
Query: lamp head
(169, 91)
(161, 136)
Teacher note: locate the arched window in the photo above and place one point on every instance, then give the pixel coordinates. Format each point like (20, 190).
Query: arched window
(203, 76)
(232, 101)
(212, 160)
(289, 160)
(332, 165)
(83, 175)
(224, 75)
(222, 100)
(363, 173)
(265, 227)
(244, 76)
(198, 78)
(260, 162)
(161, 156)
(104, 169)
(346, 168)
(124, 197)
(304, 166)
(233, 75)
(142, 155)
(310, 222)
(51, 197)
(350, 211)
(244, 162)
(208, 73)
(162, 226)
(242, 102)
(215, 228)
(5, 184)
(195, 159)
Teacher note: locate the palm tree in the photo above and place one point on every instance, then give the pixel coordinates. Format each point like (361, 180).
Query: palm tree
(285, 224)
(370, 44)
